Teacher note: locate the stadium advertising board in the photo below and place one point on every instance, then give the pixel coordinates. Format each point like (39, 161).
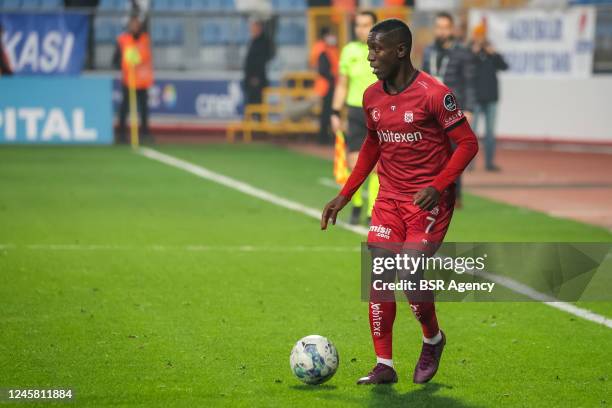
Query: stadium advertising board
(46, 43)
(542, 43)
(41, 110)
(198, 99)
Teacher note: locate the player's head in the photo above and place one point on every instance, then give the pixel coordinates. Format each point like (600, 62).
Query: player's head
(364, 20)
(444, 27)
(389, 45)
(134, 25)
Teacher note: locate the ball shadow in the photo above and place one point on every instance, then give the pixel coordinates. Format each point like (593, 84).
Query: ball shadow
(313, 388)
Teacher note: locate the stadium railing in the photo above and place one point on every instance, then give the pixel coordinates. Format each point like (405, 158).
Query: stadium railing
(292, 107)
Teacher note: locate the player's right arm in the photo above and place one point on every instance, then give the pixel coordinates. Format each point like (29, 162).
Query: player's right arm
(368, 157)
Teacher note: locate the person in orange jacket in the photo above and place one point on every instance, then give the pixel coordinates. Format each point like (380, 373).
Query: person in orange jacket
(134, 52)
(324, 58)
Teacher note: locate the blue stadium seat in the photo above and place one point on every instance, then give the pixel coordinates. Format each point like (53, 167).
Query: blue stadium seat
(229, 5)
(212, 5)
(107, 30)
(51, 4)
(171, 5)
(113, 5)
(180, 5)
(291, 33)
(289, 4)
(30, 4)
(213, 33)
(161, 5)
(244, 34)
(10, 4)
(175, 5)
(167, 32)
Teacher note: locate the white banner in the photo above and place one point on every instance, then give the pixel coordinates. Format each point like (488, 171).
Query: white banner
(544, 43)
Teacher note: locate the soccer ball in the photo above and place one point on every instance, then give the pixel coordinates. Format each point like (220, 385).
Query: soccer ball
(314, 359)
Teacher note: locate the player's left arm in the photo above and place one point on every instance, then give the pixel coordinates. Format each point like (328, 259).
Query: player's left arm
(456, 126)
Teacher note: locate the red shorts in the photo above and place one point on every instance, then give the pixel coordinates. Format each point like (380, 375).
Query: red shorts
(401, 222)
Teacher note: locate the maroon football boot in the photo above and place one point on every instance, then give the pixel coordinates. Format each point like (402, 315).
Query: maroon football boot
(380, 374)
(429, 360)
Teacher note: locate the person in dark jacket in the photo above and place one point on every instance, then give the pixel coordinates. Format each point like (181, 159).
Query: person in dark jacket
(487, 63)
(453, 64)
(258, 55)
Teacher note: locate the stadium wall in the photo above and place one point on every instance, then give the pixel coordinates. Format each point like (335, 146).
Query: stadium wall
(567, 110)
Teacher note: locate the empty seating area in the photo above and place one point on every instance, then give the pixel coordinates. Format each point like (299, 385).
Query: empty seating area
(157, 5)
(223, 31)
(191, 34)
(31, 4)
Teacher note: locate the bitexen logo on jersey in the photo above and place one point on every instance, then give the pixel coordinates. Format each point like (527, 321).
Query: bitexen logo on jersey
(390, 136)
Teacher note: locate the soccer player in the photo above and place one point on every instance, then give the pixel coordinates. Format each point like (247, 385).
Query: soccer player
(412, 119)
(355, 76)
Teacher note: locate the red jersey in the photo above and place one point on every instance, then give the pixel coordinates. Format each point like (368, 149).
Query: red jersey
(409, 133)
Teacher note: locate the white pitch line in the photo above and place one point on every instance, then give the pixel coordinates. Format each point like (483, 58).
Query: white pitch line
(315, 213)
(546, 299)
(189, 248)
(327, 182)
(242, 187)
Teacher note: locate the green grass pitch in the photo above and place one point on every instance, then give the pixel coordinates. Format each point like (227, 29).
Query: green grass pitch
(137, 284)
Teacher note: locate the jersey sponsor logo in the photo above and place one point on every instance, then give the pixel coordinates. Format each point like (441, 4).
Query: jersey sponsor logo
(381, 231)
(408, 116)
(390, 136)
(449, 102)
(375, 114)
(393, 108)
(453, 118)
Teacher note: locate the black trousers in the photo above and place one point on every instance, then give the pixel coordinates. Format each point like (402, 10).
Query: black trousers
(325, 136)
(142, 97)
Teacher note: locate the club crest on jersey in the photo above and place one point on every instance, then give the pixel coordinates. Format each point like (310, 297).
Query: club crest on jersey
(375, 114)
(408, 117)
(449, 102)
(393, 108)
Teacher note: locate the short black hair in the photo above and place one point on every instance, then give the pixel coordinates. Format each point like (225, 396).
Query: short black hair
(323, 32)
(370, 13)
(398, 28)
(446, 15)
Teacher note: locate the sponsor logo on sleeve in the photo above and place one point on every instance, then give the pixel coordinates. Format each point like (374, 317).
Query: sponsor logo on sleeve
(454, 117)
(449, 102)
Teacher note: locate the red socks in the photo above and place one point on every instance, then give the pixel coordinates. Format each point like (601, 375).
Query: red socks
(425, 313)
(382, 316)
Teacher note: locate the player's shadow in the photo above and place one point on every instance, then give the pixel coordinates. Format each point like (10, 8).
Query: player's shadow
(425, 396)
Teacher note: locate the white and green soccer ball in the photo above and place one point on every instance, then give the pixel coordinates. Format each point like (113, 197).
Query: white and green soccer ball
(314, 359)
